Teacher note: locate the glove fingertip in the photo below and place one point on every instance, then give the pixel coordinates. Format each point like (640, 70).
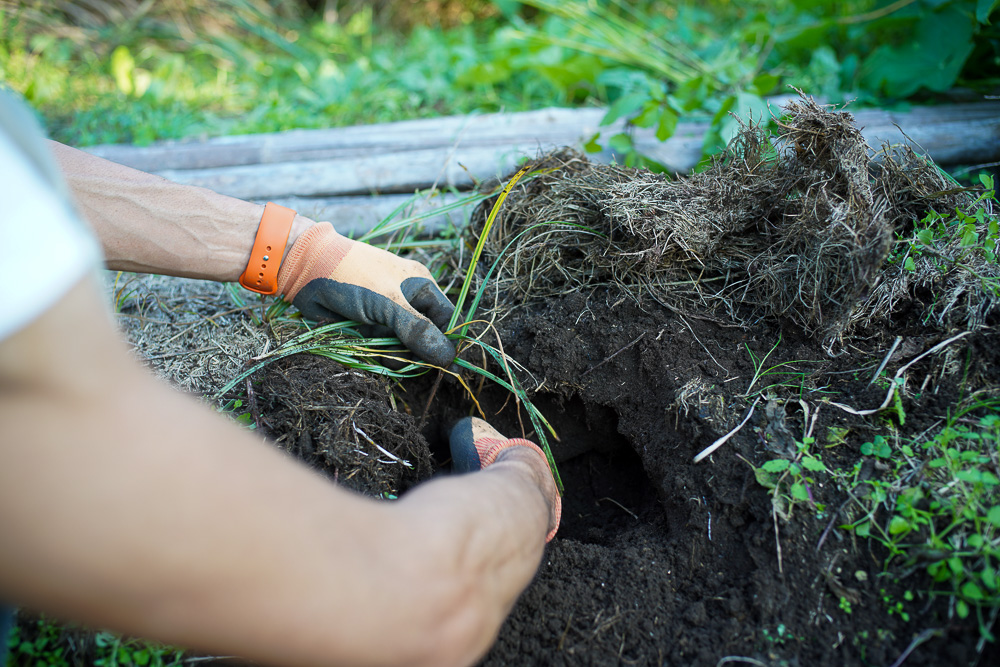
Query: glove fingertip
(464, 455)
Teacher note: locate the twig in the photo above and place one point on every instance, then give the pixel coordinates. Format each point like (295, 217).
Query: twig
(430, 398)
(721, 441)
(252, 399)
(899, 339)
(562, 638)
(612, 500)
(829, 526)
(740, 658)
(893, 385)
(379, 447)
(917, 641)
(777, 539)
(180, 354)
(593, 368)
(711, 356)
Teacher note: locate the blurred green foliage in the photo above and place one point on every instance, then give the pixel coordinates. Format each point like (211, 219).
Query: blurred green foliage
(139, 72)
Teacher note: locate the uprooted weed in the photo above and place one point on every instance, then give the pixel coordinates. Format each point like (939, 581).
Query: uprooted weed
(798, 226)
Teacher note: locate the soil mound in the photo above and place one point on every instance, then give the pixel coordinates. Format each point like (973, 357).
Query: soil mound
(770, 299)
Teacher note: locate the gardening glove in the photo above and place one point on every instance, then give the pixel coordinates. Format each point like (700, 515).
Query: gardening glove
(475, 444)
(326, 275)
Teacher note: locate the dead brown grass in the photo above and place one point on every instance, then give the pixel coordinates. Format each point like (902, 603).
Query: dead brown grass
(799, 227)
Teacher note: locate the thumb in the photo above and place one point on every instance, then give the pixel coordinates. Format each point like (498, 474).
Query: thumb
(421, 336)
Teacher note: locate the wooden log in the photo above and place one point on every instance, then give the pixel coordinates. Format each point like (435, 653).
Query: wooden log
(553, 126)
(354, 216)
(456, 151)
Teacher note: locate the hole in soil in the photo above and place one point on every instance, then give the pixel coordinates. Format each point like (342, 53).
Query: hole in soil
(607, 490)
(606, 495)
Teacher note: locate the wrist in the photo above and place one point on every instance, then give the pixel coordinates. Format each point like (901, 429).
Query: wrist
(535, 464)
(300, 225)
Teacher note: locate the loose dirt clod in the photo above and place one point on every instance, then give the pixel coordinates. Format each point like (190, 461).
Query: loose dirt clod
(797, 229)
(341, 421)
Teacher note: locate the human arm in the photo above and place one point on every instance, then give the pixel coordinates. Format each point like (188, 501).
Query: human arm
(148, 224)
(127, 505)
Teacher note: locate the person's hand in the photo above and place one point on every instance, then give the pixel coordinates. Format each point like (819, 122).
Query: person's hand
(475, 445)
(328, 276)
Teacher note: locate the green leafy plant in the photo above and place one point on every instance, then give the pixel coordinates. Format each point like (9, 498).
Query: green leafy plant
(41, 644)
(115, 651)
(792, 481)
(789, 376)
(43, 641)
(940, 510)
(965, 239)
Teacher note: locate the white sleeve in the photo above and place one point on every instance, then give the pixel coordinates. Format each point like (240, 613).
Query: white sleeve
(45, 249)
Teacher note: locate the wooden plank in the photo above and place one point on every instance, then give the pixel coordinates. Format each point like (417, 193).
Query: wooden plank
(456, 151)
(556, 125)
(396, 172)
(975, 124)
(354, 216)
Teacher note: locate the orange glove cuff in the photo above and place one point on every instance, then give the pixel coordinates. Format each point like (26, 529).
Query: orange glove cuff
(316, 253)
(496, 446)
(261, 274)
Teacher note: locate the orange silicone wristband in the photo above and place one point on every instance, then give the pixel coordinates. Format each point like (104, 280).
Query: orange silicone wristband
(261, 274)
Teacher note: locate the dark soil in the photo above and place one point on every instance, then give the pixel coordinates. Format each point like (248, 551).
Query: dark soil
(342, 423)
(661, 561)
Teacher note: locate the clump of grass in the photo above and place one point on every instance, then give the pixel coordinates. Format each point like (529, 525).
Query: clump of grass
(796, 226)
(344, 343)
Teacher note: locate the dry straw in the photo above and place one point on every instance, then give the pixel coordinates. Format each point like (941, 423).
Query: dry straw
(797, 226)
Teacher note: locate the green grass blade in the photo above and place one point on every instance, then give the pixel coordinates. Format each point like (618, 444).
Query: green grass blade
(482, 242)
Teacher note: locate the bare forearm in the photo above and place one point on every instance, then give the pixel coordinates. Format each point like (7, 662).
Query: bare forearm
(149, 224)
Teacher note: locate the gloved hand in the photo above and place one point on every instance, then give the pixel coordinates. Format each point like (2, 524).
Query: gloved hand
(475, 444)
(326, 275)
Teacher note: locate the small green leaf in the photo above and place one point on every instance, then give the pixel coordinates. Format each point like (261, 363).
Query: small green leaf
(970, 476)
(626, 105)
(667, 124)
(925, 236)
(776, 465)
(867, 448)
(863, 529)
(971, 590)
(592, 146)
(983, 10)
(122, 65)
(799, 491)
(810, 463)
(989, 577)
(898, 525)
(993, 516)
(962, 609)
(620, 143)
(909, 265)
(882, 450)
(764, 478)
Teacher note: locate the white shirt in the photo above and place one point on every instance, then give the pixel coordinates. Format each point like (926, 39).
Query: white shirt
(45, 249)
